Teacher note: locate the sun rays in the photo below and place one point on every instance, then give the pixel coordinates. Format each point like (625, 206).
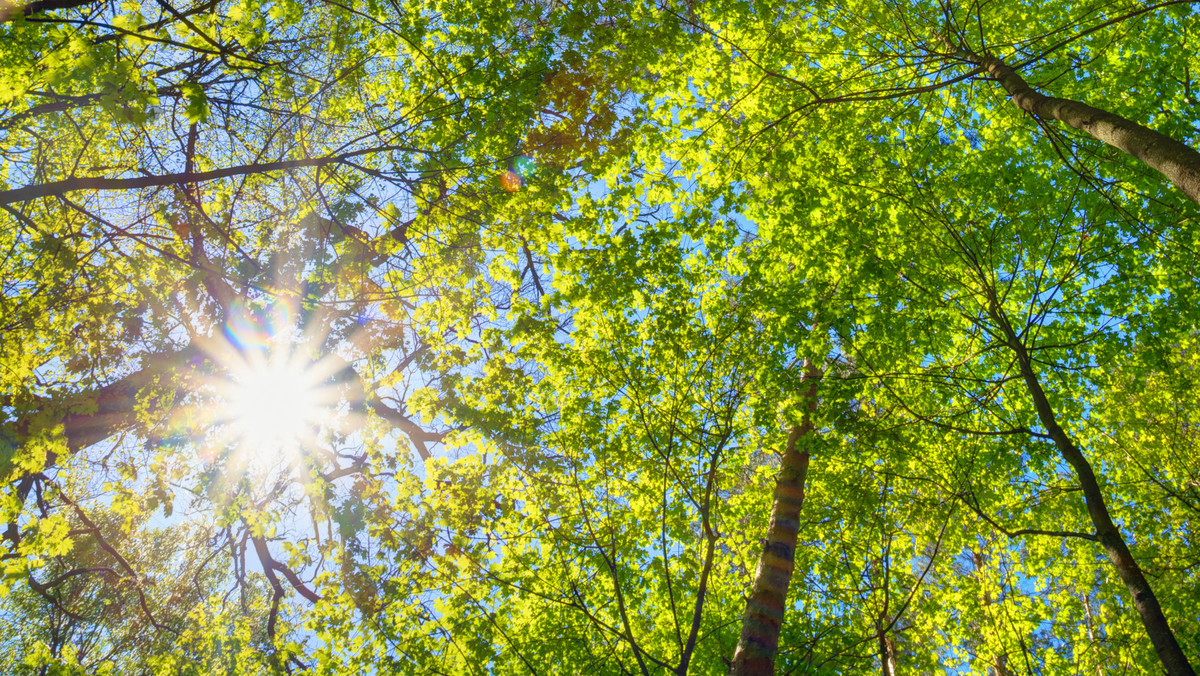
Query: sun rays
(274, 397)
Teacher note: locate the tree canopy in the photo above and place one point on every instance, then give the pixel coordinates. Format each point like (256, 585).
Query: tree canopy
(697, 336)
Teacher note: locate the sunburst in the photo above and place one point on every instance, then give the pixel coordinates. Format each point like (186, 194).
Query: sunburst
(273, 399)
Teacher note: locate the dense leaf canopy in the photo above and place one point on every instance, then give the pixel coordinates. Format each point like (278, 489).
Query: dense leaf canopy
(818, 337)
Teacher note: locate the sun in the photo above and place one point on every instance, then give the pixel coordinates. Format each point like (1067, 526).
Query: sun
(274, 395)
(272, 407)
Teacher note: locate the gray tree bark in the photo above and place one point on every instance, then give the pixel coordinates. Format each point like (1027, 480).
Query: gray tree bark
(1176, 161)
(767, 603)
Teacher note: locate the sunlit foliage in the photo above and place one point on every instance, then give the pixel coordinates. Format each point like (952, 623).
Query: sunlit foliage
(510, 337)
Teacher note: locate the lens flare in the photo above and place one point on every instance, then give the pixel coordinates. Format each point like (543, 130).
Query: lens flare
(510, 181)
(522, 169)
(254, 327)
(524, 166)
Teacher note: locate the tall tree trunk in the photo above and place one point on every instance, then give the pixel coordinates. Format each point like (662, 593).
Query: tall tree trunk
(999, 665)
(1087, 609)
(759, 641)
(887, 647)
(1107, 533)
(1178, 162)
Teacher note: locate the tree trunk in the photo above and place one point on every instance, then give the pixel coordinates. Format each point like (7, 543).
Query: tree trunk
(1178, 162)
(759, 641)
(1107, 533)
(887, 649)
(90, 417)
(1087, 609)
(999, 666)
